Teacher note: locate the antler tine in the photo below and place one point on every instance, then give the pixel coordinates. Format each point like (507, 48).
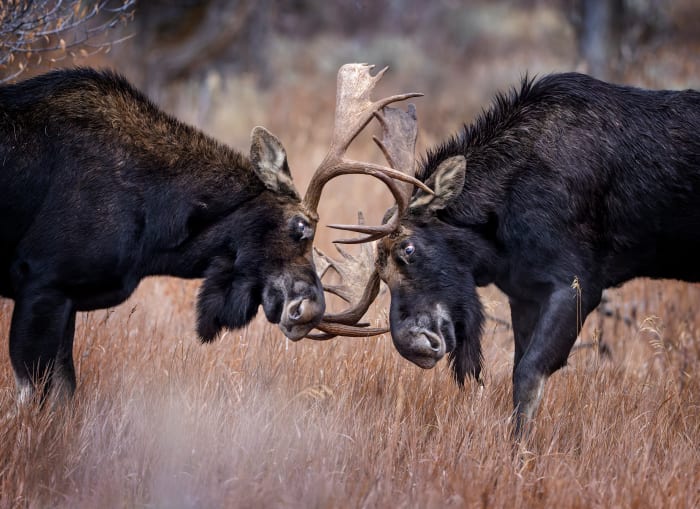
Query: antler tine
(354, 314)
(331, 331)
(376, 232)
(354, 109)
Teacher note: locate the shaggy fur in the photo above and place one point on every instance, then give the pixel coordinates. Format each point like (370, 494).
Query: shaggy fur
(101, 189)
(568, 179)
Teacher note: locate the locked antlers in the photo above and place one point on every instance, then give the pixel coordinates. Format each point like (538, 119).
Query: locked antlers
(359, 287)
(360, 279)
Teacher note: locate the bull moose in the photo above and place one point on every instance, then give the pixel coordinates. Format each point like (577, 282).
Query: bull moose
(568, 178)
(99, 189)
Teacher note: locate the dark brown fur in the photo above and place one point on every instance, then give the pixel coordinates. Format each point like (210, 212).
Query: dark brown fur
(101, 189)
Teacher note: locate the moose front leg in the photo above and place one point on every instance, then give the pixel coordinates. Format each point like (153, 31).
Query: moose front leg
(41, 344)
(560, 319)
(523, 317)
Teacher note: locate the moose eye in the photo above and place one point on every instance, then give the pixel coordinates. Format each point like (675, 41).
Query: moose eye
(405, 252)
(300, 229)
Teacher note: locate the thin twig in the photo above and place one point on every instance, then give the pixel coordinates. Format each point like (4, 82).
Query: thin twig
(29, 28)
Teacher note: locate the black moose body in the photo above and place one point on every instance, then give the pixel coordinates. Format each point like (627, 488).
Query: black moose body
(568, 179)
(99, 188)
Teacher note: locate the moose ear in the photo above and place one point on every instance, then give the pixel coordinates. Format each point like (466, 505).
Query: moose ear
(269, 161)
(447, 183)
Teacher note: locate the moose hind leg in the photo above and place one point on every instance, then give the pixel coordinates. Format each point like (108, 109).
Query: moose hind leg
(41, 338)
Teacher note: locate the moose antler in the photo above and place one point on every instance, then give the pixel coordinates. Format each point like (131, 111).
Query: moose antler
(359, 287)
(353, 111)
(398, 143)
(360, 278)
(347, 268)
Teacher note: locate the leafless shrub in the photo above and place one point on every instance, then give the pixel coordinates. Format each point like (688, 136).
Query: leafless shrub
(32, 31)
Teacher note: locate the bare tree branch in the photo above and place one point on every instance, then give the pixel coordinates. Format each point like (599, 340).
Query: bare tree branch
(33, 29)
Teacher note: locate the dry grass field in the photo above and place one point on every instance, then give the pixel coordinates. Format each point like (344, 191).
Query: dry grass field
(254, 420)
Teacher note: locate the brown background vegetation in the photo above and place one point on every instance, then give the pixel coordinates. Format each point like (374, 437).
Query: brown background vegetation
(256, 421)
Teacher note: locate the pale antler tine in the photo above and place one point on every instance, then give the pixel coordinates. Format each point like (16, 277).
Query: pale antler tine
(359, 240)
(337, 291)
(321, 259)
(380, 73)
(344, 253)
(358, 228)
(384, 150)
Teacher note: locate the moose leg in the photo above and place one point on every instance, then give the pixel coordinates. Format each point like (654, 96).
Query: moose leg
(41, 341)
(523, 317)
(554, 334)
(63, 376)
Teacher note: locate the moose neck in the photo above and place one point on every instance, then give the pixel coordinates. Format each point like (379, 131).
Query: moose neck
(195, 193)
(217, 210)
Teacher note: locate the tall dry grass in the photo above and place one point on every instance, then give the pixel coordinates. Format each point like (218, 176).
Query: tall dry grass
(256, 421)
(253, 420)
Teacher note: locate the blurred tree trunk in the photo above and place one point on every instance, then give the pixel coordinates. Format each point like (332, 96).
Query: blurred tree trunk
(600, 35)
(178, 40)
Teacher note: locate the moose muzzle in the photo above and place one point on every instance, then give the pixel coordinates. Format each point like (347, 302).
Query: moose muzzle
(425, 338)
(300, 315)
(297, 305)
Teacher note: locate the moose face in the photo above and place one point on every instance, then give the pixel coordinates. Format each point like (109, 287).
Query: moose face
(268, 259)
(435, 309)
(292, 294)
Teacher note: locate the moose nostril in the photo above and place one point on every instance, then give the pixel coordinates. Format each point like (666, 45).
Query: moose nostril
(434, 345)
(295, 310)
(304, 310)
(426, 339)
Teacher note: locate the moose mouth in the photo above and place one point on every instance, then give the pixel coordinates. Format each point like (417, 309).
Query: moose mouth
(297, 307)
(296, 331)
